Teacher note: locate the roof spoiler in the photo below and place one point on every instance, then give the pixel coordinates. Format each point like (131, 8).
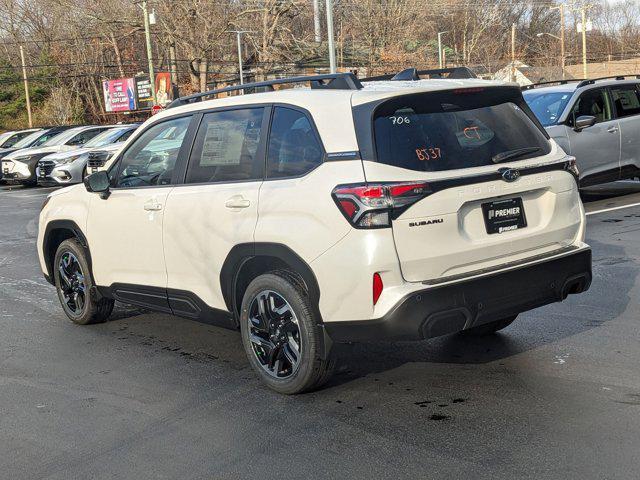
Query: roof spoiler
(415, 74)
(331, 81)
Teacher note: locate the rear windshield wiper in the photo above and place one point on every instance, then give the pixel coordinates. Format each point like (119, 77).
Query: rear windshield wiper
(509, 154)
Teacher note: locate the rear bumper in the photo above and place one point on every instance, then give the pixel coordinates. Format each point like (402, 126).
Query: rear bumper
(450, 308)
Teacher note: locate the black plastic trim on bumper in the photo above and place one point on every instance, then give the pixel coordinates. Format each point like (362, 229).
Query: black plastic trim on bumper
(446, 309)
(50, 182)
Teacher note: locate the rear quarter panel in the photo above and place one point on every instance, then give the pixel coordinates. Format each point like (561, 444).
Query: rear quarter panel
(300, 212)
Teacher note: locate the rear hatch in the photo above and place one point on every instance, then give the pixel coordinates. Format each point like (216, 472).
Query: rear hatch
(482, 186)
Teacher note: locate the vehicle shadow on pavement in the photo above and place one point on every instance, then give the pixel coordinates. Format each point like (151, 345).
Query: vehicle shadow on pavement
(201, 342)
(613, 271)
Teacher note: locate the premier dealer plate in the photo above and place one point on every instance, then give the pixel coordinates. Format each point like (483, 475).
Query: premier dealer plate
(504, 215)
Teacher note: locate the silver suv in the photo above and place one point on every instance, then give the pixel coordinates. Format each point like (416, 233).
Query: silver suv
(597, 121)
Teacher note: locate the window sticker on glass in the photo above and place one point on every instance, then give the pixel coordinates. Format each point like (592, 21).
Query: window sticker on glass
(223, 142)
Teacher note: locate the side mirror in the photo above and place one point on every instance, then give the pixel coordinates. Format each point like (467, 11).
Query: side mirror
(98, 183)
(584, 121)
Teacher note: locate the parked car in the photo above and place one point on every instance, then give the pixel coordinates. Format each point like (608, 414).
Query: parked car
(9, 139)
(100, 157)
(34, 139)
(20, 166)
(597, 121)
(387, 210)
(70, 166)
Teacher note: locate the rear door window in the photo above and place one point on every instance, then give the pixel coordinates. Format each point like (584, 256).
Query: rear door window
(294, 148)
(455, 129)
(626, 100)
(226, 147)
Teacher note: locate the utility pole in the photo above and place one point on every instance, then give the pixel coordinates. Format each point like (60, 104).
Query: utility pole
(147, 34)
(332, 48)
(513, 52)
(173, 68)
(172, 63)
(562, 55)
(240, 67)
(316, 21)
(583, 13)
(26, 86)
(239, 46)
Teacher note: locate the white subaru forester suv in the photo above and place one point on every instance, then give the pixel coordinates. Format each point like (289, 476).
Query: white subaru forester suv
(308, 217)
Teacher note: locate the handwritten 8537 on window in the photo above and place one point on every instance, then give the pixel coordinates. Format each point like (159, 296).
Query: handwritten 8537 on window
(428, 153)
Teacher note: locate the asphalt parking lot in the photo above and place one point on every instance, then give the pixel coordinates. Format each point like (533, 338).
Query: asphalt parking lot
(556, 395)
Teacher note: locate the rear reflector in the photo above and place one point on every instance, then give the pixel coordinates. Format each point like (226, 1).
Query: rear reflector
(377, 287)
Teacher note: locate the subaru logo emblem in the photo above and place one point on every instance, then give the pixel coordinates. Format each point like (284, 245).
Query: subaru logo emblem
(509, 174)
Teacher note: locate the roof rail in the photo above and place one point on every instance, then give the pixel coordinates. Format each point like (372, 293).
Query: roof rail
(414, 74)
(331, 81)
(591, 81)
(551, 82)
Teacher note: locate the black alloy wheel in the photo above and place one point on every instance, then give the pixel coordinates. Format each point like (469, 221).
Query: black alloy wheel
(80, 300)
(72, 284)
(274, 334)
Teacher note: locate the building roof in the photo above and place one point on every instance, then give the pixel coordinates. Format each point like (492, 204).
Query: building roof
(630, 66)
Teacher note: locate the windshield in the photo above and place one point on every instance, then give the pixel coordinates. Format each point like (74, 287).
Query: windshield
(28, 140)
(62, 138)
(4, 137)
(456, 129)
(105, 138)
(547, 106)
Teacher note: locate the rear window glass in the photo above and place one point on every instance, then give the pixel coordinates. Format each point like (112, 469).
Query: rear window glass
(453, 130)
(626, 100)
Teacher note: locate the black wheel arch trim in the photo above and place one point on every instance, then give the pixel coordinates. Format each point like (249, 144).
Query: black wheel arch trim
(241, 253)
(70, 226)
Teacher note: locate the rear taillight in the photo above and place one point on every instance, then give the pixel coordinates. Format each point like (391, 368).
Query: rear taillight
(374, 205)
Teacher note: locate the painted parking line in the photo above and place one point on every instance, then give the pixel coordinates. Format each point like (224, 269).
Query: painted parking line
(20, 192)
(619, 207)
(24, 195)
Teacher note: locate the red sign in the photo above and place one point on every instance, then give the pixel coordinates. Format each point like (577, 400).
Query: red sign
(156, 109)
(119, 95)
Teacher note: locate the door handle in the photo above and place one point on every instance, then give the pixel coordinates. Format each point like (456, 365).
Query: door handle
(152, 207)
(612, 129)
(237, 201)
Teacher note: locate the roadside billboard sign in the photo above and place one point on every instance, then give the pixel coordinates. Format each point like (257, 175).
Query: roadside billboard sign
(164, 90)
(119, 95)
(143, 92)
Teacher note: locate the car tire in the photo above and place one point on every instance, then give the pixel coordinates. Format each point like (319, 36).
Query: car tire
(73, 281)
(489, 328)
(277, 316)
